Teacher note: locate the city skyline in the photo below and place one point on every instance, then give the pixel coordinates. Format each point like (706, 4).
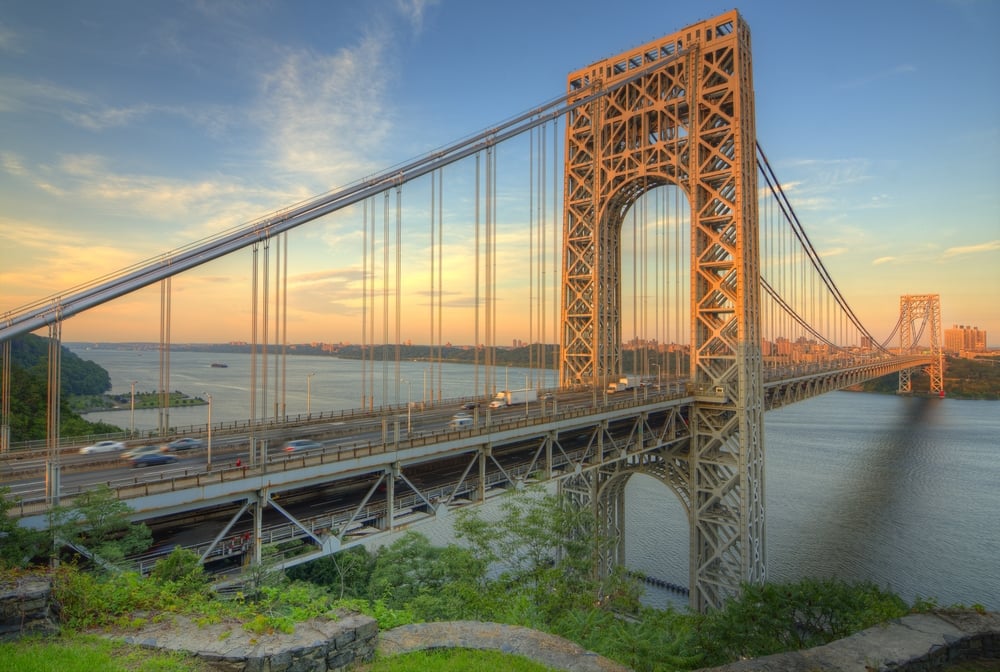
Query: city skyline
(129, 131)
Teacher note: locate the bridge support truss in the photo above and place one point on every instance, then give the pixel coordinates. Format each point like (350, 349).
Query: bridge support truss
(917, 312)
(679, 111)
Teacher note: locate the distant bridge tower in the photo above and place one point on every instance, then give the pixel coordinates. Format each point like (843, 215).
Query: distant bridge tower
(679, 110)
(916, 313)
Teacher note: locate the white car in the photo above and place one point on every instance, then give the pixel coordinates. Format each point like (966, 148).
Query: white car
(103, 447)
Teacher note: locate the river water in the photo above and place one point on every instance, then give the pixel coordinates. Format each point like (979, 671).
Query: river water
(904, 492)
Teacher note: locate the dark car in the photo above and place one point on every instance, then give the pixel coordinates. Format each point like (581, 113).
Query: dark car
(153, 459)
(301, 444)
(186, 443)
(140, 450)
(469, 405)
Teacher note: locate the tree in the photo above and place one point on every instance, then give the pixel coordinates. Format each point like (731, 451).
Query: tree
(542, 547)
(434, 582)
(18, 545)
(99, 523)
(347, 573)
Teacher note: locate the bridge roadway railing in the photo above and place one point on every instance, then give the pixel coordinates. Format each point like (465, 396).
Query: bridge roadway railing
(783, 386)
(786, 385)
(167, 491)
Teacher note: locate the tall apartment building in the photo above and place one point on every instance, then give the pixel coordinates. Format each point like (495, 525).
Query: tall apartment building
(961, 338)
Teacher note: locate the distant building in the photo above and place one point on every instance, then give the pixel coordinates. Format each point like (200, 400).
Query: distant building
(961, 338)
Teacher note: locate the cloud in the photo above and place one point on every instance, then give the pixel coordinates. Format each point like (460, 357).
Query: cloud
(989, 246)
(834, 251)
(879, 76)
(414, 10)
(883, 260)
(324, 115)
(9, 41)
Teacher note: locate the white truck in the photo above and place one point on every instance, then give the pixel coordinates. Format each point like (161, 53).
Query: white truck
(624, 383)
(514, 397)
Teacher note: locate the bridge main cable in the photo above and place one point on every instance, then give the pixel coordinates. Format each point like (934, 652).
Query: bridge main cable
(54, 308)
(807, 246)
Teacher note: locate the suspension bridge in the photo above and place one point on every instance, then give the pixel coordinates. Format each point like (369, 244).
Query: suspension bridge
(650, 237)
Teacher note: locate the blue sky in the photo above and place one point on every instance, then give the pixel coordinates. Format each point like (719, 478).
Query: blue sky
(130, 128)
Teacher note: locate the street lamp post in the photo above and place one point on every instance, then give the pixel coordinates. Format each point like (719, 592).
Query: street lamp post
(131, 420)
(209, 397)
(309, 377)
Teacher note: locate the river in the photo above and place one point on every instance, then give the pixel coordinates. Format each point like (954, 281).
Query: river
(904, 492)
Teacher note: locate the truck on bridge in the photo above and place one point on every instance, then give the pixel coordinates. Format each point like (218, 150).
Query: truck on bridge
(514, 397)
(624, 383)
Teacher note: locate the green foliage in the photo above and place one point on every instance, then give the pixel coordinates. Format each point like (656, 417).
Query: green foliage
(386, 616)
(99, 523)
(347, 573)
(183, 568)
(786, 617)
(434, 582)
(543, 548)
(79, 376)
(29, 390)
(18, 545)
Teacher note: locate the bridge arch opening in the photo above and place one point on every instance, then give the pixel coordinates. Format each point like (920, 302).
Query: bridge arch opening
(645, 520)
(653, 231)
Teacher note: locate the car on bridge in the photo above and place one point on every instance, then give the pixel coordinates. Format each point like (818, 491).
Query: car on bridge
(298, 445)
(141, 450)
(184, 443)
(153, 459)
(103, 447)
(469, 405)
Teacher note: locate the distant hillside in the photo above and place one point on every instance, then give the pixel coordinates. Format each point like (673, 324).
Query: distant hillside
(29, 390)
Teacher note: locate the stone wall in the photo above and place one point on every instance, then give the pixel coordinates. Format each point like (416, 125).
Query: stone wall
(318, 645)
(915, 643)
(26, 607)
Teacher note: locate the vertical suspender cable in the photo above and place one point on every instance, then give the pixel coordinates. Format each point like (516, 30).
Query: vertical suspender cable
(253, 345)
(531, 248)
(364, 303)
(284, 329)
(264, 298)
(556, 250)
(433, 261)
(277, 322)
(399, 282)
(440, 287)
(475, 303)
(371, 312)
(385, 298)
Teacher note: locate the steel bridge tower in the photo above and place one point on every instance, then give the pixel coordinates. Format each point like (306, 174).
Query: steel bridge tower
(916, 311)
(679, 110)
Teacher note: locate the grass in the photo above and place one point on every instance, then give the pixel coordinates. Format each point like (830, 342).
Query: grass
(86, 653)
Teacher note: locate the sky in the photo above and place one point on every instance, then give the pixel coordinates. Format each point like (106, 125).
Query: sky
(128, 129)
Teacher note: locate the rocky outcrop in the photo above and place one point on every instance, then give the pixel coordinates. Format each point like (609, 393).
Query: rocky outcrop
(26, 607)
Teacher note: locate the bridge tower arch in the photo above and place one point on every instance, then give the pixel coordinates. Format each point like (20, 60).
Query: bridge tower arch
(917, 312)
(678, 110)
